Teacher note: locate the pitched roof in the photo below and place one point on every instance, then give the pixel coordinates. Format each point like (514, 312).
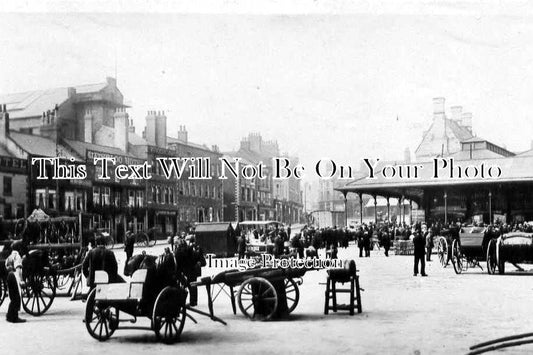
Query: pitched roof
(452, 129)
(34, 103)
(514, 169)
(82, 147)
(41, 146)
(4, 152)
(135, 139)
(190, 144)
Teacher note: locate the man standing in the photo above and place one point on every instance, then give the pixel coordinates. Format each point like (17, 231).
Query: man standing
(14, 269)
(100, 258)
(385, 241)
(129, 245)
(429, 244)
(241, 245)
(419, 244)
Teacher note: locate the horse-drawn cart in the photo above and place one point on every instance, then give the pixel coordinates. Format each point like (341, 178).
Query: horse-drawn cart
(470, 250)
(263, 293)
(514, 247)
(154, 292)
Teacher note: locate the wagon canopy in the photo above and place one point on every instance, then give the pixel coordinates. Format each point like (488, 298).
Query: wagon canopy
(216, 238)
(38, 215)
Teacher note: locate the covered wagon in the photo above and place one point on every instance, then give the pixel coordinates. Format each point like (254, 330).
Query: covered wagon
(216, 238)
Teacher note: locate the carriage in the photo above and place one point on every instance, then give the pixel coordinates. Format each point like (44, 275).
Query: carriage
(470, 249)
(154, 292)
(444, 245)
(52, 253)
(513, 247)
(262, 292)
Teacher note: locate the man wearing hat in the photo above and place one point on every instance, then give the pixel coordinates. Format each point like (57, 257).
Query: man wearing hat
(100, 258)
(14, 276)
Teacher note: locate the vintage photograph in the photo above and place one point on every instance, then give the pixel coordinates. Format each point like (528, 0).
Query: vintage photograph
(266, 177)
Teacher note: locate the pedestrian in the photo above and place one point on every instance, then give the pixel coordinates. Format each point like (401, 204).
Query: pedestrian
(360, 242)
(419, 246)
(189, 261)
(241, 245)
(367, 239)
(103, 259)
(385, 242)
(429, 244)
(13, 266)
(129, 245)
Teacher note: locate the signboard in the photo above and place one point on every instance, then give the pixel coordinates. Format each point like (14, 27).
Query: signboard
(119, 159)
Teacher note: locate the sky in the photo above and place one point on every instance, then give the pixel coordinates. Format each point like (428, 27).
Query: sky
(326, 79)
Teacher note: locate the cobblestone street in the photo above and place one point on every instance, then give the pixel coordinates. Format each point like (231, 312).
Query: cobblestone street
(444, 313)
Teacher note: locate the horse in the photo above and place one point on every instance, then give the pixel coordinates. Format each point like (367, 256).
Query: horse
(161, 272)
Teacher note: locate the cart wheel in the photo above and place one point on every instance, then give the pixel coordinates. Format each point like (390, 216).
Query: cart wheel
(501, 266)
(3, 290)
(491, 257)
(457, 257)
(442, 251)
(293, 294)
(142, 240)
(169, 313)
(260, 294)
(101, 321)
(38, 293)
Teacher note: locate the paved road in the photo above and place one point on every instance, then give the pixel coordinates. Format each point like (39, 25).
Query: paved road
(441, 314)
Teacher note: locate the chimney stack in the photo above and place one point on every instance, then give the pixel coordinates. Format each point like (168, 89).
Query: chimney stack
(183, 135)
(456, 113)
(161, 130)
(4, 124)
(131, 127)
(121, 120)
(438, 106)
(467, 121)
(150, 129)
(88, 126)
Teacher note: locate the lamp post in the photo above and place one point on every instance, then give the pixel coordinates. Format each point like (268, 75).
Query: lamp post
(490, 207)
(445, 208)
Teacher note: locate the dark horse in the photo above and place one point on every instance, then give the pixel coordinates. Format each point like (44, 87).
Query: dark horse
(161, 273)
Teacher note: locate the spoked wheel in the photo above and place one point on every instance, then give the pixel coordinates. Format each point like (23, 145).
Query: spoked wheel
(38, 293)
(3, 290)
(457, 257)
(257, 299)
(442, 251)
(169, 313)
(491, 257)
(101, 320)
(142, 240)
(293, 294)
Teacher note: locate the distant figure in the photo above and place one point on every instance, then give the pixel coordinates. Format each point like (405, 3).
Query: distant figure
(241, 246)
(385, 242)
(429, 244)
(129, 245)
(419, 244)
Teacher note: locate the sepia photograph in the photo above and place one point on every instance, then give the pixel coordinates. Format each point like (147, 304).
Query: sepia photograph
(267, 177)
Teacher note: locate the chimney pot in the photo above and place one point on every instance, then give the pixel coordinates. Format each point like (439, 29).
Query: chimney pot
(438, 105)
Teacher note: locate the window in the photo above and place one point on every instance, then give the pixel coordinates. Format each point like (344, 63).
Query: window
(171, 192)
(131, 198)
(69, 201)
(167, 195)
(117, 198)
(7, 211)
(7, 186)
(96, 195)
(106, 194)
(20, 210)
(40, 198)
(140, 199)
(52, 199)
(154, 194)
(80, 204)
